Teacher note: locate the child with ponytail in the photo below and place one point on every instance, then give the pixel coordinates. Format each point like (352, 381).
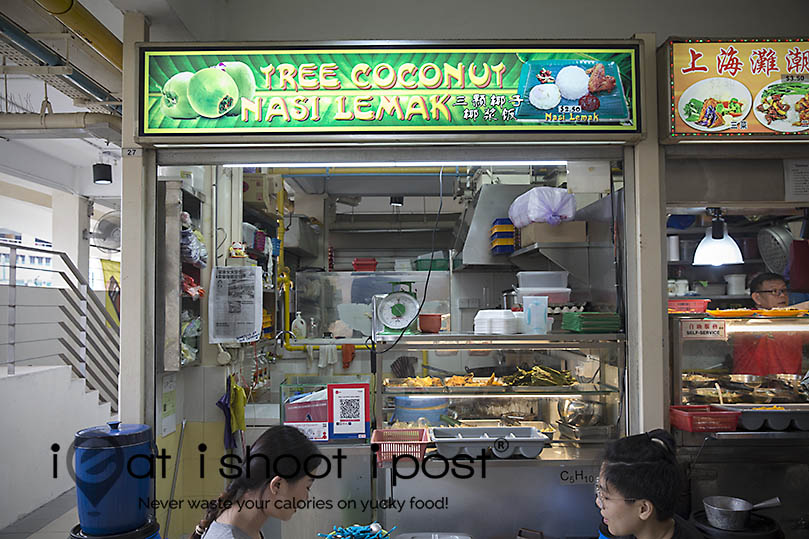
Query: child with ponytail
(276, 473)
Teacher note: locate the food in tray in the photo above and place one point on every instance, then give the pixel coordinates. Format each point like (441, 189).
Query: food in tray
(545, 76)
(713, 104)
(802, 108)
(417, 381)
(783, 106)
(539, 375)
(544, 96)
(469, 380)
(781, 312)
(599, 80)
(730, 313)
(698, 378)
(768, 408)
(773, 108)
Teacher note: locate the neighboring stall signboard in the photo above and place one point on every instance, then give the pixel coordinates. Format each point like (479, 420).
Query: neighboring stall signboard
(396, 89)
(745, 88)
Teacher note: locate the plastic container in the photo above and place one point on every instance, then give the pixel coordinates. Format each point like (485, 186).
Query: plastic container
(736, 283)
(542, 279)
(364, 264)
(411, 409)
(555, 295)
(108, 495)
(689, 305)
(299, 326)
(703, 418)
(451, 441)
(397, 442)
(536, 315)
(429, 323)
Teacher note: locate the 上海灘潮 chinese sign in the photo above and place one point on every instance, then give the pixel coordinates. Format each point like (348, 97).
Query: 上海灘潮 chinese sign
(739, 88)
(394, 90)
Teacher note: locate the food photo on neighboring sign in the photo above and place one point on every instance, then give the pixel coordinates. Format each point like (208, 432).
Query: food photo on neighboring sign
(250, 91)
(738, 88)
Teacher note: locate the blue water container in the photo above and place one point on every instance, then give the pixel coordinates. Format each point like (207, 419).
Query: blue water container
(150, 530)
(113, 465)
(410, 409)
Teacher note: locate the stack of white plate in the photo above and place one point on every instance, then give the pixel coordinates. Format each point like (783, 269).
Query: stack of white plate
(496, 322)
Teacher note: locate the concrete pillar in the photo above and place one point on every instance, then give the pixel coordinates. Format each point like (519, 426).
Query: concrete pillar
(645, 220)
(70, 220)
(134, 268)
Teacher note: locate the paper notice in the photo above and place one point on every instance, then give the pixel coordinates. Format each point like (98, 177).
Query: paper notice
(796, 180)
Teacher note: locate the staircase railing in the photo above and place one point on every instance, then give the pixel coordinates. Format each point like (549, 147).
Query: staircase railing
(87, 334)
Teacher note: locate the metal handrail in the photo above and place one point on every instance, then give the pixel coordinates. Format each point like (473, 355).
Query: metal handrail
(90, 361)
(73, 269)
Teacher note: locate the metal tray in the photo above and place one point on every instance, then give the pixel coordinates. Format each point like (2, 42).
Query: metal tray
(752, 419)
(503, 441)
(597, 432)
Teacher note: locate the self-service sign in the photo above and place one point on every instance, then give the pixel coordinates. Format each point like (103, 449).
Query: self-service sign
(703, 330)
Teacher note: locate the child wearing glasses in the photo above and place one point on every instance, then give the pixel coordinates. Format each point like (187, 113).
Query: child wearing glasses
(638, 487)
(769, 353)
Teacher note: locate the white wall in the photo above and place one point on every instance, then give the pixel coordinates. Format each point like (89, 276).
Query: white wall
(32, 220)
(30, 425)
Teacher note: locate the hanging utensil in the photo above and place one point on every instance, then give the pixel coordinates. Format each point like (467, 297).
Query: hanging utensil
(773, 244)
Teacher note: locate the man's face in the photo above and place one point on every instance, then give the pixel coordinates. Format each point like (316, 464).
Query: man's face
(771, 295)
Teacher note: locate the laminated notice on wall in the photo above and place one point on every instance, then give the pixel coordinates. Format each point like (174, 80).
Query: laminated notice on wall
(234, 304)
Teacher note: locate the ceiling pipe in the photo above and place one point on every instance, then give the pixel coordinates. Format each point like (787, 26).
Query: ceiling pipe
(59, 120)
(13, 33)
(80, 21)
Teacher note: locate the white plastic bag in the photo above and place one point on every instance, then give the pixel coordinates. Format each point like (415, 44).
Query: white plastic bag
(542, 205)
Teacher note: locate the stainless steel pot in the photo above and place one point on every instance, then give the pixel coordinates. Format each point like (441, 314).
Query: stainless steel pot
(509, 299)
(727, 513)
(580, 413)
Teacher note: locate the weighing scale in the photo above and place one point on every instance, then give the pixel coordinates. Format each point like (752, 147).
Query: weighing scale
(397, 310)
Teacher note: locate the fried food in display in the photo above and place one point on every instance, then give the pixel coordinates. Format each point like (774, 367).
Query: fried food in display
(599, 80)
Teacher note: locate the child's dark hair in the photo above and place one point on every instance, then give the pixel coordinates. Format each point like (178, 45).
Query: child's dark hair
(280, 451)
(644, 467)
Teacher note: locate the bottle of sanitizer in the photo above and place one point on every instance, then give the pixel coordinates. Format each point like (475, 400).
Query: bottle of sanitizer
(299, 326)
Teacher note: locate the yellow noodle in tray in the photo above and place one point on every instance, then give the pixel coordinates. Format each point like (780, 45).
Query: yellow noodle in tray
(781, 312)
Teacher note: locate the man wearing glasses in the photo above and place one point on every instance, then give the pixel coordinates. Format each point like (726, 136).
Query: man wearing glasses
(769, 353)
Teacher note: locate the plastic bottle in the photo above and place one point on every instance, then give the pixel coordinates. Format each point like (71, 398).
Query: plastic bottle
(299, 326)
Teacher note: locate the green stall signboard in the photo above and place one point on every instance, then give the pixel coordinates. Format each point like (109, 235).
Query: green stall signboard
(389, 90)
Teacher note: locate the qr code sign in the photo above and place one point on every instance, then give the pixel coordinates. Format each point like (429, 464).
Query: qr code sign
(350, 409)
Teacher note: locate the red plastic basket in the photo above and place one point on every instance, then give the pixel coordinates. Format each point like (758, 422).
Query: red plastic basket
(364, 264)
(689, 305)
(699, 418)
(396, 442)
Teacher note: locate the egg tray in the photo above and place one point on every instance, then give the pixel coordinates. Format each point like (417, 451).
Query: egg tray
(796, 415)
(503, 442)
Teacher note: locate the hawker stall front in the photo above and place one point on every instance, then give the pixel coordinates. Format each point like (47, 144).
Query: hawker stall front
(425, 256)
(734, 124)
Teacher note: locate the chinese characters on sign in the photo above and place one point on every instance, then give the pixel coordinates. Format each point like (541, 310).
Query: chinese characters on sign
(703, 330)
(723, 88)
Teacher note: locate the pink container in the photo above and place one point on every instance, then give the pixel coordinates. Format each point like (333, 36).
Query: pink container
(555, 295)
